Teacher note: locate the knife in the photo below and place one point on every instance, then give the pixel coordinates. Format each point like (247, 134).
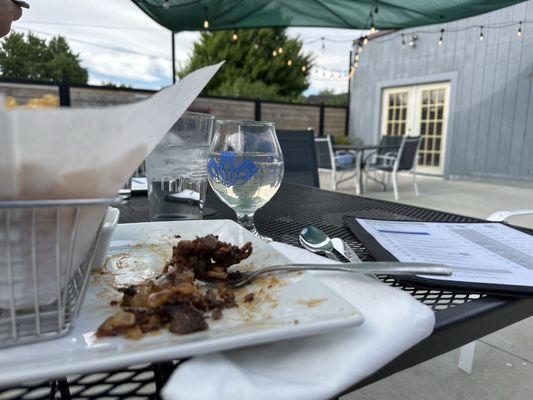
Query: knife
(346, 251)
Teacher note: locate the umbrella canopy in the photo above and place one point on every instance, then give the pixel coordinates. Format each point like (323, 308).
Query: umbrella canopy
(191, 15)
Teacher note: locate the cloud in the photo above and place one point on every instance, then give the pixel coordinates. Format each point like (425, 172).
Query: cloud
(146, 61)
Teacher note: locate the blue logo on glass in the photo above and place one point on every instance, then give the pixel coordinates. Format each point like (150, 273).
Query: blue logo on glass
(229, 172)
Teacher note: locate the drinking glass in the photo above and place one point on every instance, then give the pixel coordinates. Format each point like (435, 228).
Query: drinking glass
(177, 178)
(245, 167)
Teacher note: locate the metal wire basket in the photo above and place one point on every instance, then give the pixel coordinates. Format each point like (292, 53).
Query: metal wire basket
(46, 252)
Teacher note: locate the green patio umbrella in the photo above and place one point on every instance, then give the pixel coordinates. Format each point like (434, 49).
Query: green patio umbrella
(193, 15)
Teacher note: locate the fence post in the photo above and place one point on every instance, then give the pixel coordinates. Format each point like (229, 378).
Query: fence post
(321, 121)
(64, 94)
(258, 110)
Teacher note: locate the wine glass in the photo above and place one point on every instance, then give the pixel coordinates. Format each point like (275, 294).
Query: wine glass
(245, 167)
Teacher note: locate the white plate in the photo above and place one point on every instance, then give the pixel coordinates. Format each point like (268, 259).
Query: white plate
(284, 307)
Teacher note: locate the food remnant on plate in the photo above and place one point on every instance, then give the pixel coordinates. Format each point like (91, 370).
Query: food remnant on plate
(174, 300)
(312, 302)
(248, 298)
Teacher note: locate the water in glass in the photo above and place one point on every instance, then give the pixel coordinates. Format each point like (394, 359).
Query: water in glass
(245, 167)
(177, 179)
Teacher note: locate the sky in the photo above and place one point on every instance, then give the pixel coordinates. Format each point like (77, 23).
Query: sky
(118, 43)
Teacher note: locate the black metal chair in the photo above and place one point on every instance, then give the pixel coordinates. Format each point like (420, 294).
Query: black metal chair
(404, 160)
(337, 163)
(299, 156)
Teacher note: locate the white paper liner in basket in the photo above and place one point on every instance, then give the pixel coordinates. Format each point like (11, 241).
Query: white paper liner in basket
(75, 154)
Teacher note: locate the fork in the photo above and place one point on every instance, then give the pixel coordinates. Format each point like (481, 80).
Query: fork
(378, 268)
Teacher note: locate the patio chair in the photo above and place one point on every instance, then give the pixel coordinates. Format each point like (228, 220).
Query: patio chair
(390, 163)
(334, 162)
(467, 352)
(299, 156)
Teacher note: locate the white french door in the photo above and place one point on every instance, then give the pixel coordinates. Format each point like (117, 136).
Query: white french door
(419, 110)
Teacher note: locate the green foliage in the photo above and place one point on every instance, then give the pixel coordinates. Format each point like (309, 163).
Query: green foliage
(250, 69)
(346, 140)
(30, 57)
(329, 98)
(115, 85)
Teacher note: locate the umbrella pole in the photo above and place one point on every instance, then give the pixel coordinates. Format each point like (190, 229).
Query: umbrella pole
(173, 58)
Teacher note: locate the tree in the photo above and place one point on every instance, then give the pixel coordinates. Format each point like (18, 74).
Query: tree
(30, 57)
(251, 68)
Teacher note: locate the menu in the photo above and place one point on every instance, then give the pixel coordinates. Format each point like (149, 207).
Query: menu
(489, 254)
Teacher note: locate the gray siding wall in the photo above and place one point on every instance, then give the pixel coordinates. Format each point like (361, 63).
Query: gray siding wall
(490, 123)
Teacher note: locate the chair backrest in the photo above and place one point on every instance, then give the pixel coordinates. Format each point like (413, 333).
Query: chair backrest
(387, 140)
(408, 152)
(324, 152)
(299, 156)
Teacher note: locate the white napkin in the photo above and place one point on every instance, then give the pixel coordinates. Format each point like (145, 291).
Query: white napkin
(317, 367)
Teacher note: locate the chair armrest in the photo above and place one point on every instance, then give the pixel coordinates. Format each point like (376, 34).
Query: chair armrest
(387, 160)
(503, 215)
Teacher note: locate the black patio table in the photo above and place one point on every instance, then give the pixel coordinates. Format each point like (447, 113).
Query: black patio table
(362, 149)
(460, 317)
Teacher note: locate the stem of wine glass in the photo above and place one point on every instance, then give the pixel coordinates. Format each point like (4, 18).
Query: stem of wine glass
(247, 221)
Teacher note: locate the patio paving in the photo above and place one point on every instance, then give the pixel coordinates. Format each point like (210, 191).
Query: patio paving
(503, 366)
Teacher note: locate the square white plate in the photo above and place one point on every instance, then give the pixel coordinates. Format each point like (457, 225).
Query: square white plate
(284, 306)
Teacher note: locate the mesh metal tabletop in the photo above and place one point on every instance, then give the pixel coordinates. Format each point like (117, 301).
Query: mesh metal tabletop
(460, 317)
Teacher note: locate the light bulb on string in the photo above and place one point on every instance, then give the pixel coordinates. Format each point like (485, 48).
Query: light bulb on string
(256, 46)
(206, 20)
(519, 32)
(372, 28)
(356, 58)
(365, 41)
(235, 37)
(274, 53)
(289, 62)
(481, 36)
(356, 64)
(280, 50)
(441, 37)
(360, 49)
(303, 68)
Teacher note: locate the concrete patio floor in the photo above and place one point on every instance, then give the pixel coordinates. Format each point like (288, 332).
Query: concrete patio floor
(503, 366)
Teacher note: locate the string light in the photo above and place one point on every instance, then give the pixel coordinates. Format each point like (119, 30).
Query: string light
(441, 38)
(519, 32)
(256, 46)
(303, 68)
(235, 37)
(481, 37)
(360, 49)
(372, 28)
(274, 53)
(280, 50)
(206, 21)
(356, 58)
(356, 64)
(365, 41)
(289, 62)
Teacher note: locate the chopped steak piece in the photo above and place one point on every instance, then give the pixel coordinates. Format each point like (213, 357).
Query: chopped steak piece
(185, 319)
(117, 324)
(174, 299)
